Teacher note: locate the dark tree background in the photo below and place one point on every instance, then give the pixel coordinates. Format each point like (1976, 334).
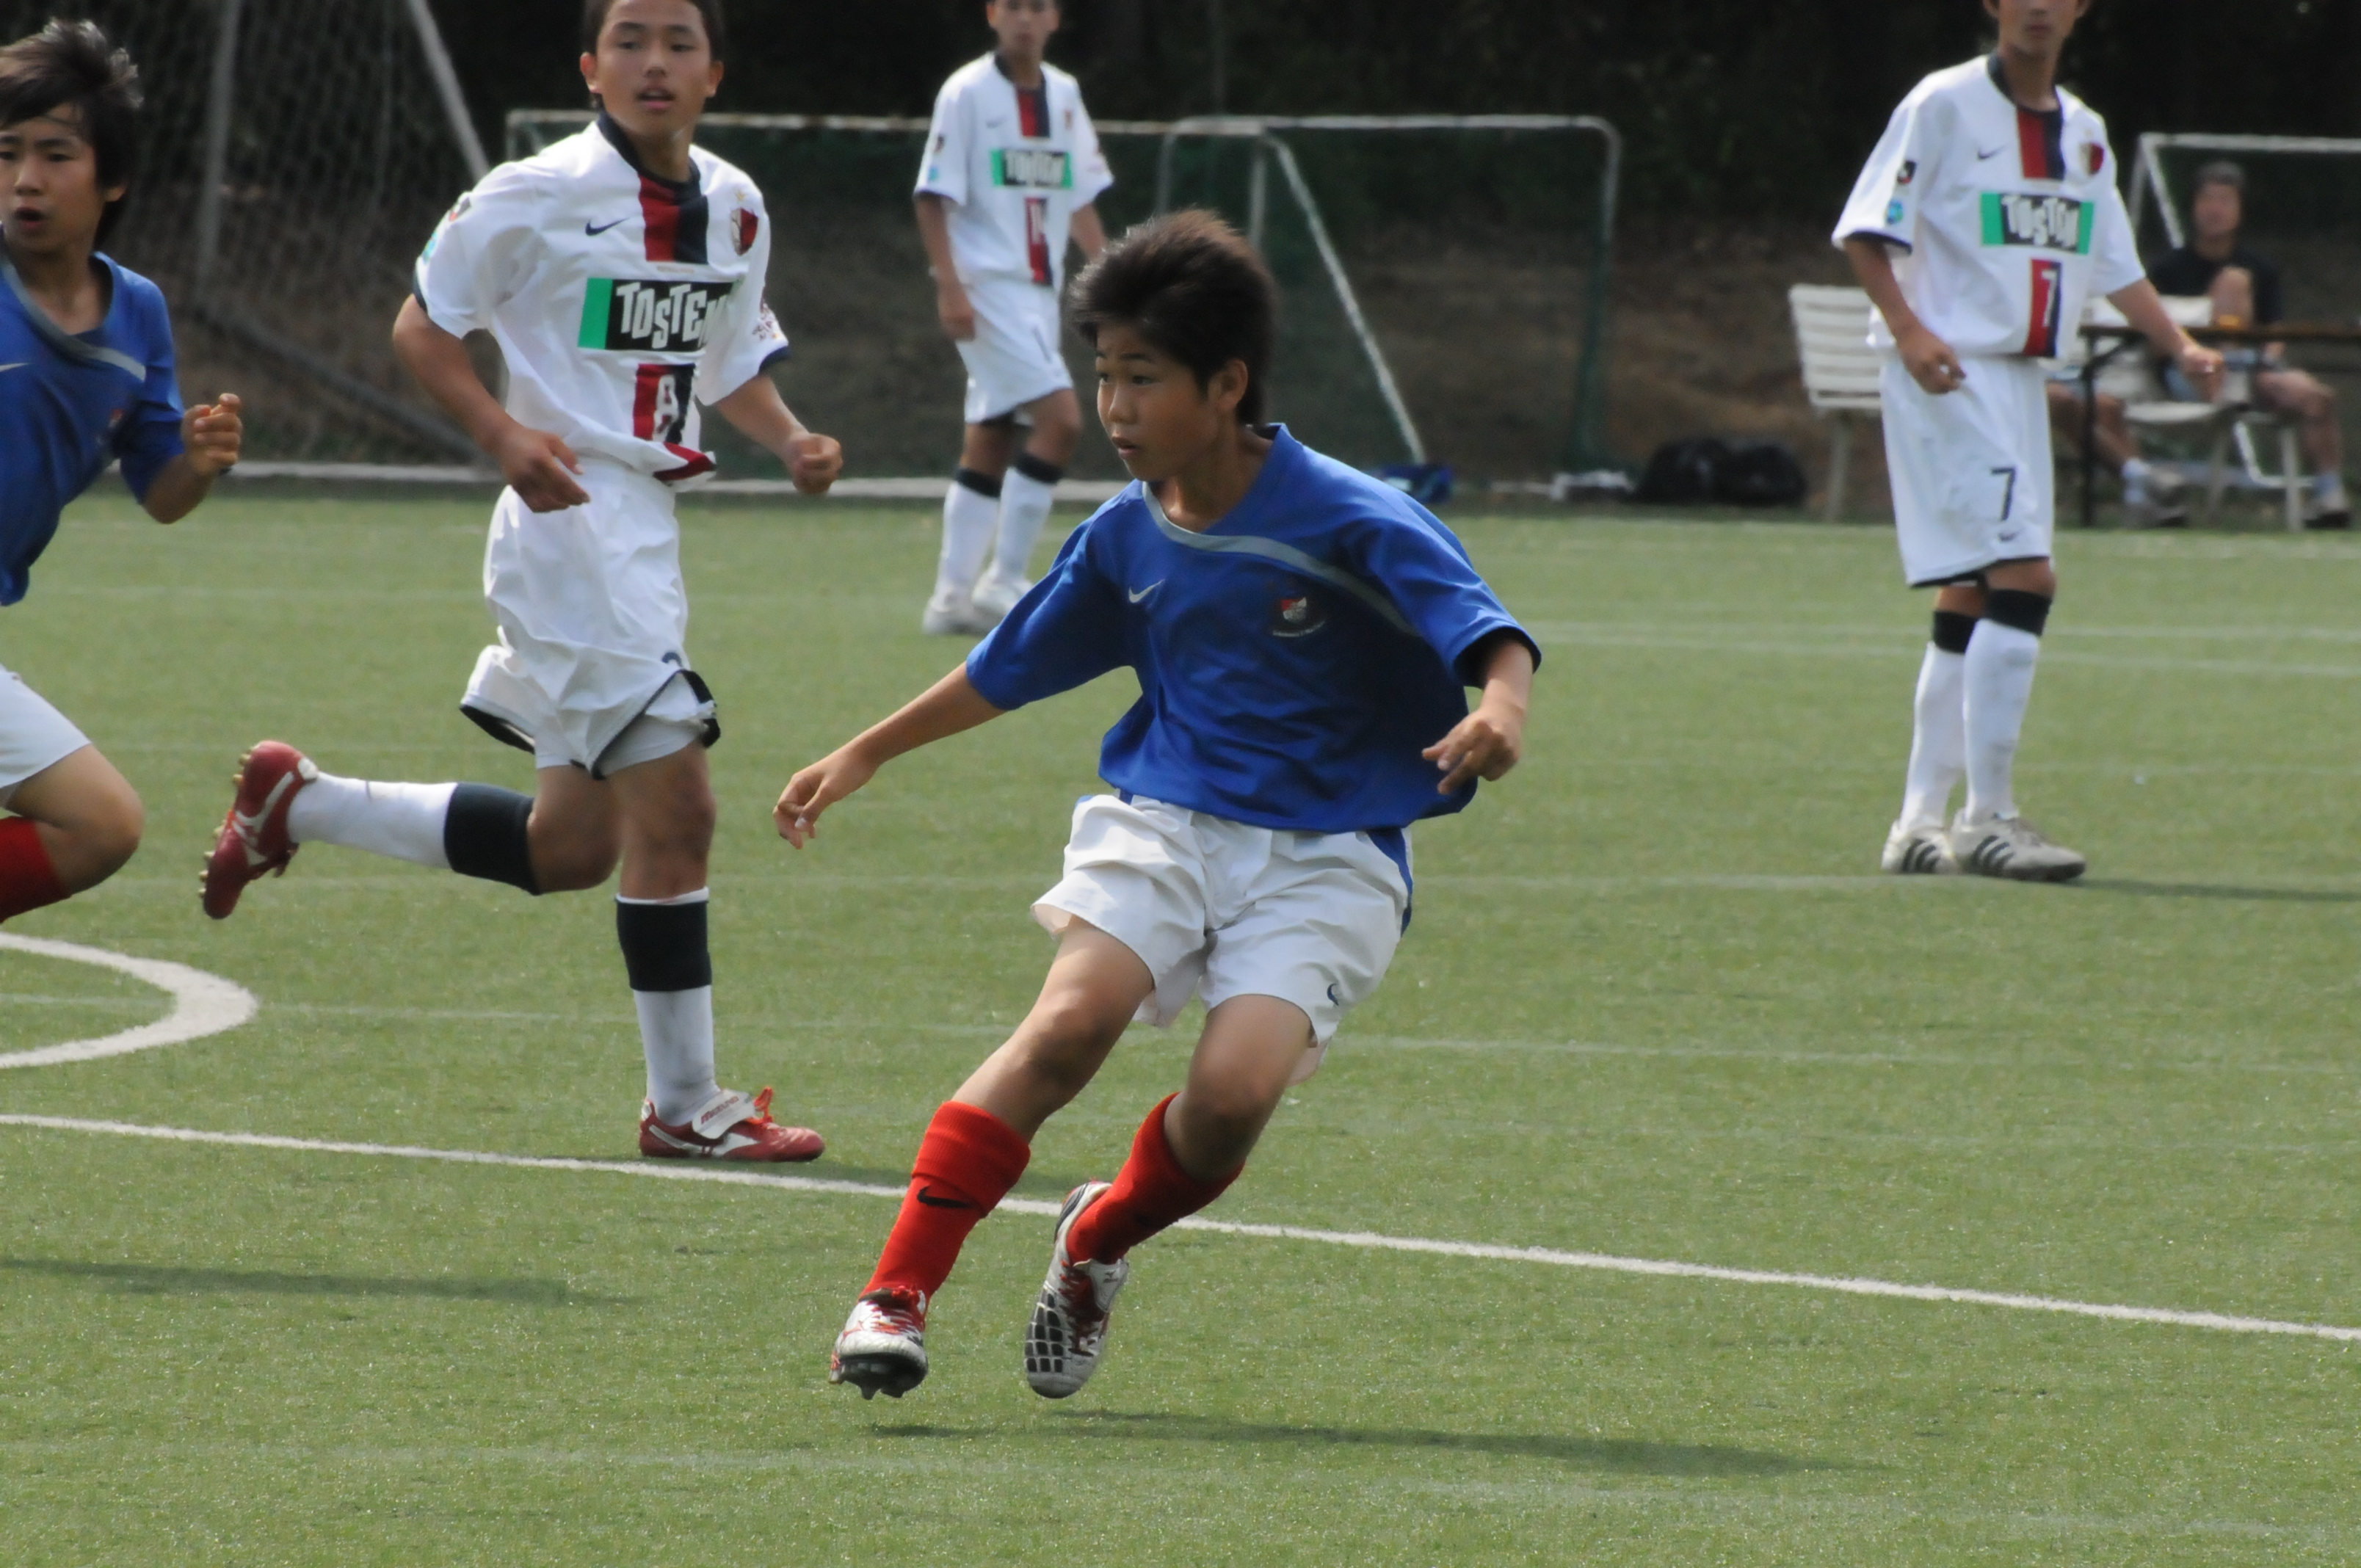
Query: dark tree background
(1744, 108)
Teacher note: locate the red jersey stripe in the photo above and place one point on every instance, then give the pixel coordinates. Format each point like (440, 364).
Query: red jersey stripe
(661, 211)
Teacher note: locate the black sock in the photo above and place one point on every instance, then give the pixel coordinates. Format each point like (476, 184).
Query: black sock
(484, 836)
(665, 946)
(1039, 470)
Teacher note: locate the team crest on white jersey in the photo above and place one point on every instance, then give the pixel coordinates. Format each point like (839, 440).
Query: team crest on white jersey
(744, 226)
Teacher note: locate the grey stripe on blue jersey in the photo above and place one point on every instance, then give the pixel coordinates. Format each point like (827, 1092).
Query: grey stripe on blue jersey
(59, 338)
(1286, 556)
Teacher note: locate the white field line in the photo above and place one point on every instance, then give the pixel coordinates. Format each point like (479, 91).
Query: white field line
(1365, 1240)
(201, 1005)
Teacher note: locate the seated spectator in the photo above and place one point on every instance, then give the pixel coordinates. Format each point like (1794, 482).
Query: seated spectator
(2244, 288)
(2152, 497)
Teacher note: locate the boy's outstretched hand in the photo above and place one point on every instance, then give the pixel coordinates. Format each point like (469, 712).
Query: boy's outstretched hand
(212, 434)
(1487, 743)
(816, 789)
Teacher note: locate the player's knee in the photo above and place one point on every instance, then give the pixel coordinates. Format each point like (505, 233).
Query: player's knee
(109, 834)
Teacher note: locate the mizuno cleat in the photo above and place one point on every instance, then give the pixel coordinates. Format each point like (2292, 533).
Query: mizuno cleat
(882, 1349)
(732, 1125)
(253, 841)
(1067, 1335)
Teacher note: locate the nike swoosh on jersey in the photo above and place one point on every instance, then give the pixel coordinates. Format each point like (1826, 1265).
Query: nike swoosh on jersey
(594, 230)
(1981, 154)
(1148, 590)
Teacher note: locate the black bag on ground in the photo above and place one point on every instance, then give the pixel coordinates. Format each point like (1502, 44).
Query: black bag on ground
(1705, 469)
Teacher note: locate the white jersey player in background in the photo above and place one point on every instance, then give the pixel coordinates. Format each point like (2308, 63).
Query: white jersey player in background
(1998, 189)
(621, 274)
(1012, 168)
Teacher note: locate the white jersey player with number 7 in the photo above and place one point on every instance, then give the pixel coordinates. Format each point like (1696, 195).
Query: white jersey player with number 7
(1998, 191)
(1012, 168)
(621, 274)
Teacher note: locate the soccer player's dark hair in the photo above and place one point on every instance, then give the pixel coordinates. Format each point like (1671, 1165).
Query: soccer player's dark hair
(594, 22)
(1953, 630)
(1195, 289)
(73, 65)
(2015, 607)
(484, 836)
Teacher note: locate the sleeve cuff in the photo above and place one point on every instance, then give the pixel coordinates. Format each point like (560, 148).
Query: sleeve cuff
(1463, 664)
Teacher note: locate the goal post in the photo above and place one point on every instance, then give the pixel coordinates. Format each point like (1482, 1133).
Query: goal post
(1444, 277)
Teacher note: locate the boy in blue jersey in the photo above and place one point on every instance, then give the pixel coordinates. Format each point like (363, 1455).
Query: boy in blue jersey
(1303, 636)
(86, 380)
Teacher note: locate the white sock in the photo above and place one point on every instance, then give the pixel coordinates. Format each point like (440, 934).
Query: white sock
(2328, 489)
(1938, 738)
(677, 1031)
(1999, 669)
(1023, 512)
(2136, 473)
(400, 820)
(969, 520)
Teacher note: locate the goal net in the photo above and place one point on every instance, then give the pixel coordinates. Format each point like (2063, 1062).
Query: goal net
(1443, 277)
(295, 156)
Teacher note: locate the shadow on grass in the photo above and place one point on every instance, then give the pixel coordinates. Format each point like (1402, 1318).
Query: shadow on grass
(150, 1279)
(1618, 1455)
(2212, 889)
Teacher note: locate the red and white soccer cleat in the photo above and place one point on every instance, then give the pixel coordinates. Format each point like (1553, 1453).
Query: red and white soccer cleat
(882, 1349)
(732, 1126)
(1067, 1335)
(253, 841)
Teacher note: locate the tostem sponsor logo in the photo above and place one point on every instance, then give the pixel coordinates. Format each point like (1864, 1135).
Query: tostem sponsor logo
(1032, 168)
(2046, 223)
(650, 316)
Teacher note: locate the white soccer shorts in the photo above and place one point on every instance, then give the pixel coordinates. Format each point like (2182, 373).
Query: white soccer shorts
(34, 736)
(1218, 909)
(593, 622)
(1013, 359)
(1970, 469)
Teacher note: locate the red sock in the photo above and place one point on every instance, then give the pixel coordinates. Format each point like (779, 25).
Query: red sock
(967, 1162)
(28, 879)
(1150, 1193)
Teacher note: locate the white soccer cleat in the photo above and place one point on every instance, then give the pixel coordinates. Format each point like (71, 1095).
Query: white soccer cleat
(1917, 851)
(2013, 848)
(883, 1346)
(1067, 1335)
(949, 616)
(996, 594)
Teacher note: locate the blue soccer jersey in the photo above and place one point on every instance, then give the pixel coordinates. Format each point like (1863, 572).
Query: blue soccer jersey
(73, 404)
(1293, 660)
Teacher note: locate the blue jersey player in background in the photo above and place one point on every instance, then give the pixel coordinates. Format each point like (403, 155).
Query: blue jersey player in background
(1303, 637)
(85, 381)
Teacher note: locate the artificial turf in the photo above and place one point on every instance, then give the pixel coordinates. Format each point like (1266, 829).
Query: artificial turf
(1656, 1002)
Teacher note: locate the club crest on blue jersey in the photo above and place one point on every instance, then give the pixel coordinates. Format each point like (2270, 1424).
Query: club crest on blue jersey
(1297, 615)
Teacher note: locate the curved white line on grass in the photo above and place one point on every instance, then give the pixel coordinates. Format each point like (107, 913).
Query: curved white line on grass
(1366, 1240)
(203, 1004)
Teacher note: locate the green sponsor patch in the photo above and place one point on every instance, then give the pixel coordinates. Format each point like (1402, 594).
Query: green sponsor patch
(1032, 168)
(650, 316)
(2046, 223)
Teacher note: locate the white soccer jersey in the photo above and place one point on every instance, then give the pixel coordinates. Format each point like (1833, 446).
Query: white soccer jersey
(2010, 217)
(1015, 164)
(620, 299)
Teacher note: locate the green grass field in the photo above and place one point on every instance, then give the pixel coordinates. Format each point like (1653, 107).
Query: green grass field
(1655, 1004)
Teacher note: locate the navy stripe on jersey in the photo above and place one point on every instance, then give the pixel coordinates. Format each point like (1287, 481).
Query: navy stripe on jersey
(1033, 110)
(674, 213)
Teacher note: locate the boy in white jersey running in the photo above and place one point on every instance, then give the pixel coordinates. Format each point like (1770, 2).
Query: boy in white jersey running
(1999, 191)
(621, 273)
(1012, 168)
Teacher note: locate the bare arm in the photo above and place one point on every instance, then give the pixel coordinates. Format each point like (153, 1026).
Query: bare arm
(1488, 742)
(1088, 231)
(538, 466)
(952, 305)
(950, 706)
(211, 434)
(762, 417)
(2144, 310)
(1928, 359)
